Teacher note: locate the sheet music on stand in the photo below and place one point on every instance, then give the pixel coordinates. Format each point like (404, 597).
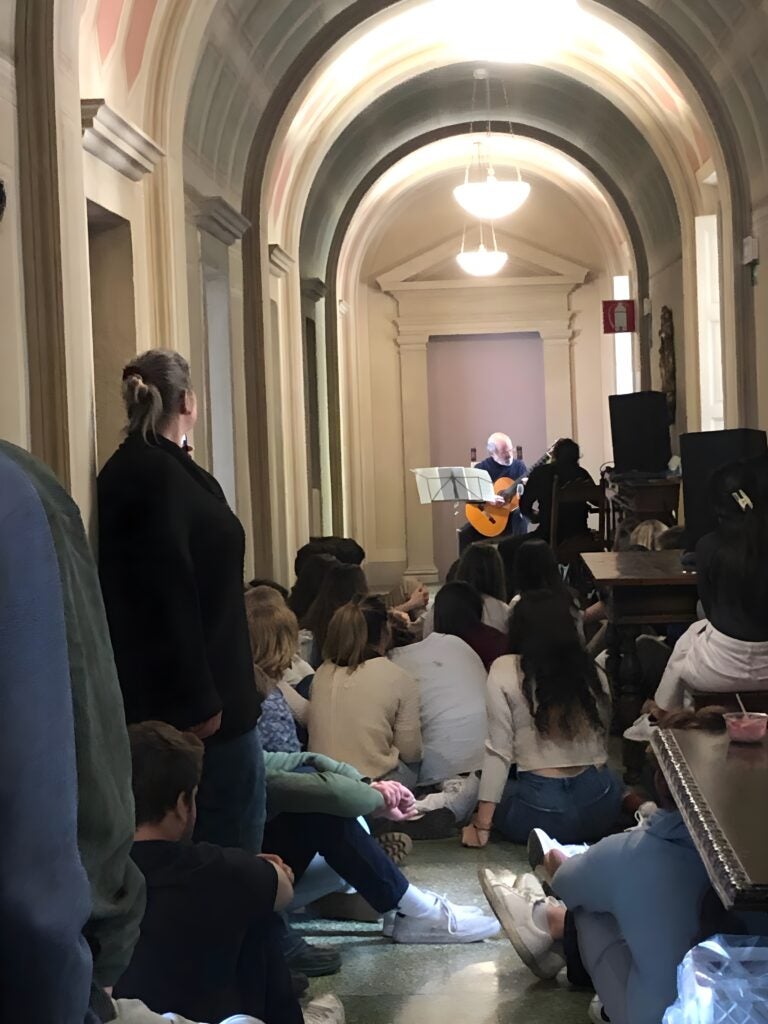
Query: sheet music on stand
(453, 483)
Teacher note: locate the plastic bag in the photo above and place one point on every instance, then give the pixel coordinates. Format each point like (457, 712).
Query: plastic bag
(723, 981)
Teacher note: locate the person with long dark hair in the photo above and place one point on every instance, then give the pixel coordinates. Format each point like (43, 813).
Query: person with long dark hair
(626, 910)
(548, 713)
(727, 651)
(536, 568)
(310, 578)
(458, 611)
(481, 567)
(341, 584)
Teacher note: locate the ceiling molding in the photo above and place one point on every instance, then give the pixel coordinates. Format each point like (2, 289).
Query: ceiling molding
(116, 142)
(562, 271)
(220, 219)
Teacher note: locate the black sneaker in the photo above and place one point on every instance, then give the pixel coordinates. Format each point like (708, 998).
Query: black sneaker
(314, 961)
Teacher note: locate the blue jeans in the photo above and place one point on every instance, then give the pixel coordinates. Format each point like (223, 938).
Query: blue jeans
(579, 809)
(347, 848)
(232, 798)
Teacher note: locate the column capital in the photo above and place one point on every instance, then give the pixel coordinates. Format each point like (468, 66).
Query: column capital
(313, 288)
(280, 262)
(111, 138)
(556, 340)
(412, 342)
(219, 218)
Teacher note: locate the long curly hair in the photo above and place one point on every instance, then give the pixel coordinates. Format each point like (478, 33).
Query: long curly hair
(560, 680)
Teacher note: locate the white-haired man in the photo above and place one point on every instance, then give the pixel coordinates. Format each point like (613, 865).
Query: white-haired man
(501, 462)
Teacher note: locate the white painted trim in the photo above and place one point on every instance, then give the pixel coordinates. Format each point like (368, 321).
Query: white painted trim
(562, 269)
(116, 142)
(7, 79)
(760, 217)
(451, 284)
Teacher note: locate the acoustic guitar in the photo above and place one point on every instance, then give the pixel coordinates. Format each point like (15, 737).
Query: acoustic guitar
(491, 520)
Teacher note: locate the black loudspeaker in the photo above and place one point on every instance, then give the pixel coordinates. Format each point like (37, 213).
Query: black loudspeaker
(640, 429)
(702, 455)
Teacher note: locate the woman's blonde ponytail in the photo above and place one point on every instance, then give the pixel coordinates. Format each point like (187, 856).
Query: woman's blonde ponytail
(347, 639)
(154, 388)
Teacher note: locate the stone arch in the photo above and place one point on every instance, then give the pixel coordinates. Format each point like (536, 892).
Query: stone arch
(735, 190)
(611, 188)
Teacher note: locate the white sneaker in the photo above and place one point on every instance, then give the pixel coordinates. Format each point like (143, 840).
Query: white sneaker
(388, 919)
(529, 886)
(641, 730)
(643, 815)
(326, 1009)
(239, 1018)
(447, 924)
(535, 947)
(539, 845)
(432, 802)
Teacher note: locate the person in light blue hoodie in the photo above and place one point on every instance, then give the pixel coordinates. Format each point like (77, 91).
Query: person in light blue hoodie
(630, 907)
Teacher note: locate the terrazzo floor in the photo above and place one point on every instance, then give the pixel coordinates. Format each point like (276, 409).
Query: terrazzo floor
(483, 983)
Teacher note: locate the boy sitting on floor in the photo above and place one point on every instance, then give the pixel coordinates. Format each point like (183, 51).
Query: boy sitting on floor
(208, 945)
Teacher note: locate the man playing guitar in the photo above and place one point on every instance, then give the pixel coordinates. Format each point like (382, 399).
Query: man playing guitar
(501, 462)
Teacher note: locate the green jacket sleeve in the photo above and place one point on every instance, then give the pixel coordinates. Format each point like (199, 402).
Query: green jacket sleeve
(277, 761)
(324, 792)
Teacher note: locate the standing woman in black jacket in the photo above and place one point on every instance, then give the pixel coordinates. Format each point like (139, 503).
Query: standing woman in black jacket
(171, 557)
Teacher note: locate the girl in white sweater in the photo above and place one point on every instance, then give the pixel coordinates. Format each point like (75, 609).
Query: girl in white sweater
(548, 715)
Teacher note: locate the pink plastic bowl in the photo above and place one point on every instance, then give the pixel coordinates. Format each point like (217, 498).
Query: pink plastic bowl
(746, 728)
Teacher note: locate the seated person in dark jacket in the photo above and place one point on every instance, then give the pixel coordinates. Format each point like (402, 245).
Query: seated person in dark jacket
(207, 947)
(536, 502)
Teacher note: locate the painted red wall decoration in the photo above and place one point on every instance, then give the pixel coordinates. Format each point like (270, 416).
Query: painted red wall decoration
(620, 316)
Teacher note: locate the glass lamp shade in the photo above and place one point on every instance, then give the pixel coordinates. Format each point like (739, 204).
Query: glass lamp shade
(481, 262)
(491, 199)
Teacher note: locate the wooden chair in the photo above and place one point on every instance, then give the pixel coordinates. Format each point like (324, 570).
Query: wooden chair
(754, 700)
(577, 492)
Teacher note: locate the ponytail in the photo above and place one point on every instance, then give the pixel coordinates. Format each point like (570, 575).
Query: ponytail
(355, 633)
(154, 387)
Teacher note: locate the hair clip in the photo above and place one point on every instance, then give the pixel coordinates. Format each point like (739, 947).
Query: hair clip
(742, 499)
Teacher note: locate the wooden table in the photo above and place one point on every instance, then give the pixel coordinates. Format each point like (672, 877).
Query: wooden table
(721, 789)
(644, 588)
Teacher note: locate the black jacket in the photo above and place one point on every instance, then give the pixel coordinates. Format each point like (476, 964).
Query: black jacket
(572, 518)
(171, 564)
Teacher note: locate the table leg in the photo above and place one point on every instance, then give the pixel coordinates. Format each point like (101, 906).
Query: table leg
(626, 677)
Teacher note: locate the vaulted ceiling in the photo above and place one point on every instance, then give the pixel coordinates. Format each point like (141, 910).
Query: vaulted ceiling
(543, 103)
(256, 50)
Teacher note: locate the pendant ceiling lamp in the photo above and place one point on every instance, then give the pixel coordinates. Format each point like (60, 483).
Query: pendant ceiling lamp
(489, 198)
(482, 194)
(482, 261)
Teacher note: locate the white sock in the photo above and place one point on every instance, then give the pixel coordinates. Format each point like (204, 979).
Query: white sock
(415, 903)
